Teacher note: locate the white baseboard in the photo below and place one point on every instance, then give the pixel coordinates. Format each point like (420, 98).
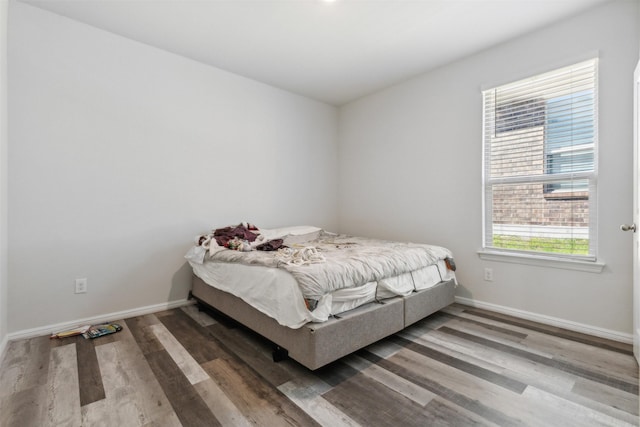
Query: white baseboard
(549, 320)
(110, 317)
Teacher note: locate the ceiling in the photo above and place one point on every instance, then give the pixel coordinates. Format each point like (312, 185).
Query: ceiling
(334, 52)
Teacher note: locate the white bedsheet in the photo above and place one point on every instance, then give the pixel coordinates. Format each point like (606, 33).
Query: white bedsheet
(351, 271)
(272, 291)
(345, 261)
(275, 292)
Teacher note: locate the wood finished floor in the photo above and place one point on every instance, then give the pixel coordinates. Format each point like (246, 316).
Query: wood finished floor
(459, 367)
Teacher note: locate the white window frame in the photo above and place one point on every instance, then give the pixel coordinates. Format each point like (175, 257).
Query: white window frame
(576, 262)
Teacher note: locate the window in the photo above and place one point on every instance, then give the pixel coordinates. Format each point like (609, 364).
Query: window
(540, 145)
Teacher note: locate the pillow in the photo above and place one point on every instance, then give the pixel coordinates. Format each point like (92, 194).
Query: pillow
(296, 230)
(291, 239)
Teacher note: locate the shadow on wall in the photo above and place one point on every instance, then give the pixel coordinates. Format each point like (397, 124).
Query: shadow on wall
(463, 292)
(181, 283)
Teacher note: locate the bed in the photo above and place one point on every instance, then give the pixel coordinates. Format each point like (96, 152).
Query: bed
(319, 296)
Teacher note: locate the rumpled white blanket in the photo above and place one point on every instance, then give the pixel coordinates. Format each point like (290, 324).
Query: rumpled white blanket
(348, 261)
(306, 255)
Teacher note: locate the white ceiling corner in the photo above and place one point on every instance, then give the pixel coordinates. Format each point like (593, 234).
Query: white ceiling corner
(333, 52)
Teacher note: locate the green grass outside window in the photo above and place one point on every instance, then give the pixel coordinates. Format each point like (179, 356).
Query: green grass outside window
(542, 244)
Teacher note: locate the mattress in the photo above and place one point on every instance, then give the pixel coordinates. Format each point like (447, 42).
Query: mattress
(276, 293)
(319, 274)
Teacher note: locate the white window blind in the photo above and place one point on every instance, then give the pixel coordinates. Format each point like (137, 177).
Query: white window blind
(540, 163)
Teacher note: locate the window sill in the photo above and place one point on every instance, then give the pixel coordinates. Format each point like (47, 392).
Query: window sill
(542, 261)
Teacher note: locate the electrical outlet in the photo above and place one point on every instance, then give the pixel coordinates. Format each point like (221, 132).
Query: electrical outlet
(488, 274)
(81, 286)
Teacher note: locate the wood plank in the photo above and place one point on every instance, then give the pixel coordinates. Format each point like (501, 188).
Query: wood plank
(24, 408)
(579, 353)
(576, 350)
(398, 384)
(25, 365)
(184, 399)
(453, 368)
(488, 336)
(523, 370)
(573, 413)
(455, 308)
(384, 348)
(253, 350)
(335, 373)
(187, 364)
(422, 378)
(435, 320)
(200, 316)
(628, 386)
(220, 404)
(160, 314)
(446, 414)
(151, 398)
(470, 368)
(260, 403)
(463, 315)
(487, 329)
(306, 392)
(555, 331)
(359, 398)
(145, 338)
(608, 395)
(521, 409)
(603, 361)
(542, 377)
(63, 395)
(89, 377)
(133, 395)
(460, 349)
(196, 339)
(101, 414)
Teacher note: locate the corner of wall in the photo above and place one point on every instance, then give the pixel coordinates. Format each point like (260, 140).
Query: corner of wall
(638, 25)
(3, 180)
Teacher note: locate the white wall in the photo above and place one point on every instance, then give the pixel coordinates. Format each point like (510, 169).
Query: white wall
(119, 154)
(3, 176)
(410, 166)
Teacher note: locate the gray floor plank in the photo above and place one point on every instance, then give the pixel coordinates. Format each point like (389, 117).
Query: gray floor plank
(545, 378)
(89, 376)
(461, 367)
(306, 392)
(63, 389)
(253, 350)
(608, 395)
(565, 412)
(25, 408)
(199, 316)
(359, 398)
(593, 341)
(192, 336)
(184, 399)
(220, 405)
(422, 378)
(133, 395)
(260, 403)
(187, 364)
(630, 385)
(398, 384)
(26, 365)
(521, 369)
(605, 361)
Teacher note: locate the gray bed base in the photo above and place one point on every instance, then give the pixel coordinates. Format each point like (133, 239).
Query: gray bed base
(317, 344)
